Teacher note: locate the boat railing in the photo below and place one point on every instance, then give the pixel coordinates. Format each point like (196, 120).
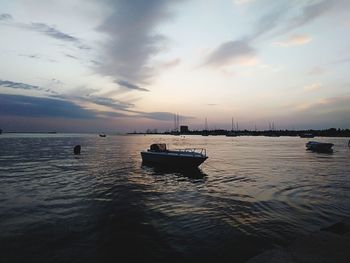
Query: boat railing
(201, 151)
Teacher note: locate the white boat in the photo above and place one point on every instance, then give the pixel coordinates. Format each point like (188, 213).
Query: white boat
(319, 146)
(158, 155)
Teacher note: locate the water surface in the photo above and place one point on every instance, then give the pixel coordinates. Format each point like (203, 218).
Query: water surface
(253, 193)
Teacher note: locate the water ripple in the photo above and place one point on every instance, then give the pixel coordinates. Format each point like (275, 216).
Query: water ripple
(252, 193)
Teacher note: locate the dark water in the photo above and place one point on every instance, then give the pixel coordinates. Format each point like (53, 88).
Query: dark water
(253, 193)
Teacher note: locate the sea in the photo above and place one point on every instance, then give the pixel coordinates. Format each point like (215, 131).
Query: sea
(252, 194)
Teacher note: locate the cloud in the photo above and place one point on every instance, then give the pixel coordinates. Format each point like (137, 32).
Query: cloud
(295, 40)
(161, 116)
(43, 29)
(112, 103)
(35, 56)
(313, 87)
(18, 105)
(51, 32)
(132, 39)
(111, 114)
(278, 20)
(128, 85)
(19, 85)
(71, 56)
(309, 13)
(229, 52)
(270, 20)
(39, 107)
(5, 17)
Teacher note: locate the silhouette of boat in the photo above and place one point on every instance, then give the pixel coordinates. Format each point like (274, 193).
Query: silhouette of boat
(158, 155)
(205, 132)
(102, 135)
(231, 133)
(306, 135)
(319, 146)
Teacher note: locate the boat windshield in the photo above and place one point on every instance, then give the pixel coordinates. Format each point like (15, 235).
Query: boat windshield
(200, 151)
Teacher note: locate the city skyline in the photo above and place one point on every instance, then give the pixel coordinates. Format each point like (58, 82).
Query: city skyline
(130, 65)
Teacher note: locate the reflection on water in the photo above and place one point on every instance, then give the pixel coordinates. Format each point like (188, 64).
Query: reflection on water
(251, 194)
(194, 173)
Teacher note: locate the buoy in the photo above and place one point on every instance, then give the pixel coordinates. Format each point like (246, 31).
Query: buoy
(77, 149)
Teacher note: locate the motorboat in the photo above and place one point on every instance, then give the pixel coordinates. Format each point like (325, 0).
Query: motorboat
(319, 146)
(159, 155)
(102, 135)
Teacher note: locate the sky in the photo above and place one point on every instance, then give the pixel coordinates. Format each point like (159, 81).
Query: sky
(124, 66)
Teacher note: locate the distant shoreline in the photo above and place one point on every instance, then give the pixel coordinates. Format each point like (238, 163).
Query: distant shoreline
(332, 132)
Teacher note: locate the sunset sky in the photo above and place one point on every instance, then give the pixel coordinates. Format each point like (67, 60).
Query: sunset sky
(126, 65)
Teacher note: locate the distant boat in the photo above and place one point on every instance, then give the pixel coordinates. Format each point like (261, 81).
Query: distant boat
(205, 132)
(176, 133)
(158, 155)
(231, 133)
(319, 146)
(306, 135)
(102, 135)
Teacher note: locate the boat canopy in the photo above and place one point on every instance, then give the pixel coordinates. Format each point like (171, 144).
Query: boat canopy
(158, 147)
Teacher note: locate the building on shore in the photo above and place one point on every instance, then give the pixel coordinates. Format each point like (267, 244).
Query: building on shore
(184, 129)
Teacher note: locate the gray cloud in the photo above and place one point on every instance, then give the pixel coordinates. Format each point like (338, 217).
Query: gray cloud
(39, 107)
(161, 116)
(51, 32)
(229, 51)
(5, 17)
(277, 21)
(309, 13)
(35, 56)
(269, 21)
(26, 106)
(133, 40)
(71, 56)
(43, 29)
(19, 85)
(112, 103)
(128, 85)
(111, 114)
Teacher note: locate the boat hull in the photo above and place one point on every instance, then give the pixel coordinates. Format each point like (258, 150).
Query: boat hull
(319, 147)
(172, 160)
